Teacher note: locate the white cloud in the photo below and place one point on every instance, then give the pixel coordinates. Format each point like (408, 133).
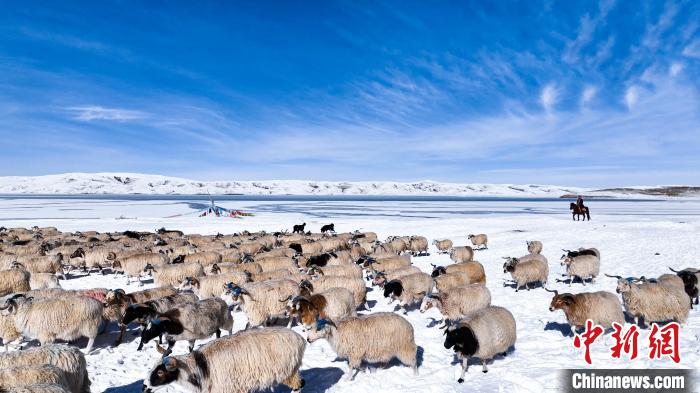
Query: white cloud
(631, 97)
(549, 96)
(676, 69)
(96, 112)
(588, 93)
(693, 49)
(587, 27)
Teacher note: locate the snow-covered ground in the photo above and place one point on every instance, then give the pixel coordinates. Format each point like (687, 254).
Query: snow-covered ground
(134, 183)
(635, 238)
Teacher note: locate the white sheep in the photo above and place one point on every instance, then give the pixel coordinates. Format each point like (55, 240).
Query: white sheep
(8, 330)
(382, 278)
(603, 308)
(134, 265)
(174, 274)
(418, 245)
(64, 318)
(14, 281)
(43, 281)
(373, 338)
(483, 334)
(443, 246)
(526, 270)
(18, 376)
(37, 388)
(452, 280)
(210, 286)
(652, 302)
(66, 358)
(346, 270)
(44, 264)
(455, 303)
(480, 241)
(189, 322)
(262, 301)
(462, 254)
(227, 267)
(473, 269)
(582, 266)
(409, 289)
(334, 304)
(354, 285)
(251, 360)
(534, 247)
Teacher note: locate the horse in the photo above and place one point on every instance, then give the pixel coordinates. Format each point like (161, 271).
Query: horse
(577, 211)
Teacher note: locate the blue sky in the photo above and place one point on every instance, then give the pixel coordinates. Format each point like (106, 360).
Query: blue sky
(561, 92)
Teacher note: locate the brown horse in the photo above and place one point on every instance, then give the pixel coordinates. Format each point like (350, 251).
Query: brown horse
(577, 211)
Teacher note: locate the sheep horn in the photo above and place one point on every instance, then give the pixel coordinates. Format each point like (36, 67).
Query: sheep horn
(555, 292)
(675, 271)
(329, 322)
(160, 349)
(618, 277)
(286, 300)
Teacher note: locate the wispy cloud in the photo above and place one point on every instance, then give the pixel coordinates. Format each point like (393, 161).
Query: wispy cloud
(588, 94)
(587, 28)
(692, 49)
(675, 69)
(631, 97)
(549, 96)
(96, 112)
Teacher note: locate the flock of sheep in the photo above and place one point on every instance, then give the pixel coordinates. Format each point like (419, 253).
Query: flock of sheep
(316, 280)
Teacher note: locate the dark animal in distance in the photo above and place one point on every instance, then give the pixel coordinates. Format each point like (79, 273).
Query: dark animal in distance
(328, 228)
(299, 228)
(690, 283)
(577, 211)
(320, 260)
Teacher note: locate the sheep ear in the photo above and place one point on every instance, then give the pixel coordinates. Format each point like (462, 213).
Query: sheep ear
(170, 363)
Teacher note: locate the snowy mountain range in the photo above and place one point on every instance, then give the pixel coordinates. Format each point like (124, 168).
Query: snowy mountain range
(132, 183)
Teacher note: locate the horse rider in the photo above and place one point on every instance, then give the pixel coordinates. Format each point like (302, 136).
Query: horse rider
(579, 202)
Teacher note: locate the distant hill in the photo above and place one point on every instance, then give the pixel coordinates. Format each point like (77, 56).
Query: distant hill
(131, 183)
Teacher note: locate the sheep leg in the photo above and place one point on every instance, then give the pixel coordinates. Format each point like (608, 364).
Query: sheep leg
(483, 363)
(353, 369)
(573, 330)
(218, 333)
(583, 281)
(191, 346)
(465, 367)
(122, 330)
(90, 343)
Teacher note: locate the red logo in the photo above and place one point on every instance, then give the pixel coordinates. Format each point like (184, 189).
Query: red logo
(589, 336)
(663, 342)
(667, 345)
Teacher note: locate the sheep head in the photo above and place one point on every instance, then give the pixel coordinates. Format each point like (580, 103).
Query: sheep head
(323, 328)
(624, 285)
(561, 301)
(510, 264)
